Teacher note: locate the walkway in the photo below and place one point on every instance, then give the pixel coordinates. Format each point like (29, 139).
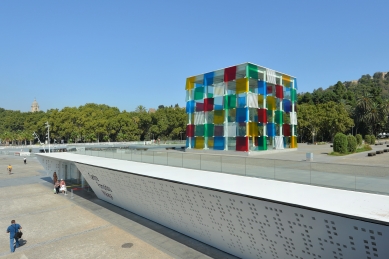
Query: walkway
(57, 226)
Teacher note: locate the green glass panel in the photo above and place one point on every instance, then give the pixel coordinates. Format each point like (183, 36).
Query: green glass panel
(199, 93)
(209, 130)
(270, 115)
(293, 95)
(252, 71)
(262, 144)
(230, 101)
(279, 117)
(199, 130)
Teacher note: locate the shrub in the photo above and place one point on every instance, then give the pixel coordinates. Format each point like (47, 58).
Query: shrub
(372, 138)
(367, 147)
(367, 139)
(351, 144)
(359, 139)
(340, 143)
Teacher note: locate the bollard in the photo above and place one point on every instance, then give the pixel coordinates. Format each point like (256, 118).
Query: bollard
(309, 156)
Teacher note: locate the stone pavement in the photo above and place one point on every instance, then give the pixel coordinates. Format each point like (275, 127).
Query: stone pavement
(80, 226)
(320, 154)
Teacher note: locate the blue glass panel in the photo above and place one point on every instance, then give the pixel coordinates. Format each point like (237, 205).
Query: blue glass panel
(287, 105)
(190, 105)
(192, 142)
(242, 114)
(198, 85)
(271, 129)
(262, 87)
(241, 100)
(187, 142)
(208, 78)
(295, 84)
(218, 143)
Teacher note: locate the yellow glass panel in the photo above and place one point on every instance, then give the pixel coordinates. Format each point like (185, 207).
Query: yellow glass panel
(218, 117)
(242, 85)
(271, 103)
(253, 129)
(260, 100)
(199, 142)
(293, 142)
(190, 83)
(210, 142)
(286, 78)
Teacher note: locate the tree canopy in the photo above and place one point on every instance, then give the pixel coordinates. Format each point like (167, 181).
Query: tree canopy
(93, 122)
(360, 106)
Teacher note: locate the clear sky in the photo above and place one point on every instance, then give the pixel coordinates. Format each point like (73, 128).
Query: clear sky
(130, 53)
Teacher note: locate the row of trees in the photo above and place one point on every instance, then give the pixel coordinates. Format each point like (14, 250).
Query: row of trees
(351, 107)
(93, 122)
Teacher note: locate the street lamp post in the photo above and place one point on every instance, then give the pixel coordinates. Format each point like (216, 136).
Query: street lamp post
(48, 133)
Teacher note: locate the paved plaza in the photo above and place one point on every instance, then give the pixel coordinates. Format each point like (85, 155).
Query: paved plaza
(80, 226)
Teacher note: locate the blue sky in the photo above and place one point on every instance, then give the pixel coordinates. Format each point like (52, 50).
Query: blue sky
(130, 53)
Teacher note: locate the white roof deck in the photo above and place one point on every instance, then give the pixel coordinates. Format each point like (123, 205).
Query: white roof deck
(372, 207)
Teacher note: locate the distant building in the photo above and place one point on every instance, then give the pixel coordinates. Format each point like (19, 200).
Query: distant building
(35, 106)
(151, 110)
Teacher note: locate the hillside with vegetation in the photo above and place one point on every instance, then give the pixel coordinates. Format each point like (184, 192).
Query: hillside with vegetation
(354, 107)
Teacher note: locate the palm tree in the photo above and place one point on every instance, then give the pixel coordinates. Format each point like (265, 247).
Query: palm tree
(140, 108)
(361, 110)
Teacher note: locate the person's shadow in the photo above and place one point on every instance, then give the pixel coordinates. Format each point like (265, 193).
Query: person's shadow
(22, 242)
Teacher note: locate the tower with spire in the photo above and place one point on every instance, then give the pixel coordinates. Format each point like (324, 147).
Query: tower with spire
(35, 106)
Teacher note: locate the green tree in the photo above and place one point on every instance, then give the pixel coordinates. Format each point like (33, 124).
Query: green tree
(340, 143)
(351, 144)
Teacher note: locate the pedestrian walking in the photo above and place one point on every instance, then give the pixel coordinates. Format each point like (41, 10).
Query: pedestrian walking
(63, 187)
(55, 177)
(56, 187)
(25, 160)
(9, 168)
(12, 230)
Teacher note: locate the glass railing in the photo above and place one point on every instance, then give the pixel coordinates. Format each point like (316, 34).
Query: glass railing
(372, 179)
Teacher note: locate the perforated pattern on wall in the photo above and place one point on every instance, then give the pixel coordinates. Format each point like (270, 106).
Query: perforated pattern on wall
(242, 226)
(50, 165)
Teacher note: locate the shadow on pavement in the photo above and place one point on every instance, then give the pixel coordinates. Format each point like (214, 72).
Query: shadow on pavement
(174, 235)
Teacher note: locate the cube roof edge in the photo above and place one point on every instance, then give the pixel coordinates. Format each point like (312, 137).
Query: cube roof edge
(292, 77)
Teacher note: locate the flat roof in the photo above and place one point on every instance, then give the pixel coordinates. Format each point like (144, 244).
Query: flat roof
(243, 64)
(364, 206)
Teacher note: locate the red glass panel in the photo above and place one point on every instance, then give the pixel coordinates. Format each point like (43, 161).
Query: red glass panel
(190, 130)
(229, 74)
(279, 91)
(242, 144)
(199, 107)
(262, 115)
(208, 104)
(286, 129)
(269, 89)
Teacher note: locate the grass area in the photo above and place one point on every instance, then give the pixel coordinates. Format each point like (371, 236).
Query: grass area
(359, 150)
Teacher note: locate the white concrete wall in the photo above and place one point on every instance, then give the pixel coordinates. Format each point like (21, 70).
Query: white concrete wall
(245, 226)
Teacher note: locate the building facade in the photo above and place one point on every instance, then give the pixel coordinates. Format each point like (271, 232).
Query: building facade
(241, 108)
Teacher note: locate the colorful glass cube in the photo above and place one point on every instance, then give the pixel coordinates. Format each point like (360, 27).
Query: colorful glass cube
(242, 108)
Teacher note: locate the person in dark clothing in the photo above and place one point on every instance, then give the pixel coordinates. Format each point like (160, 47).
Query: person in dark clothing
(12, 230)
